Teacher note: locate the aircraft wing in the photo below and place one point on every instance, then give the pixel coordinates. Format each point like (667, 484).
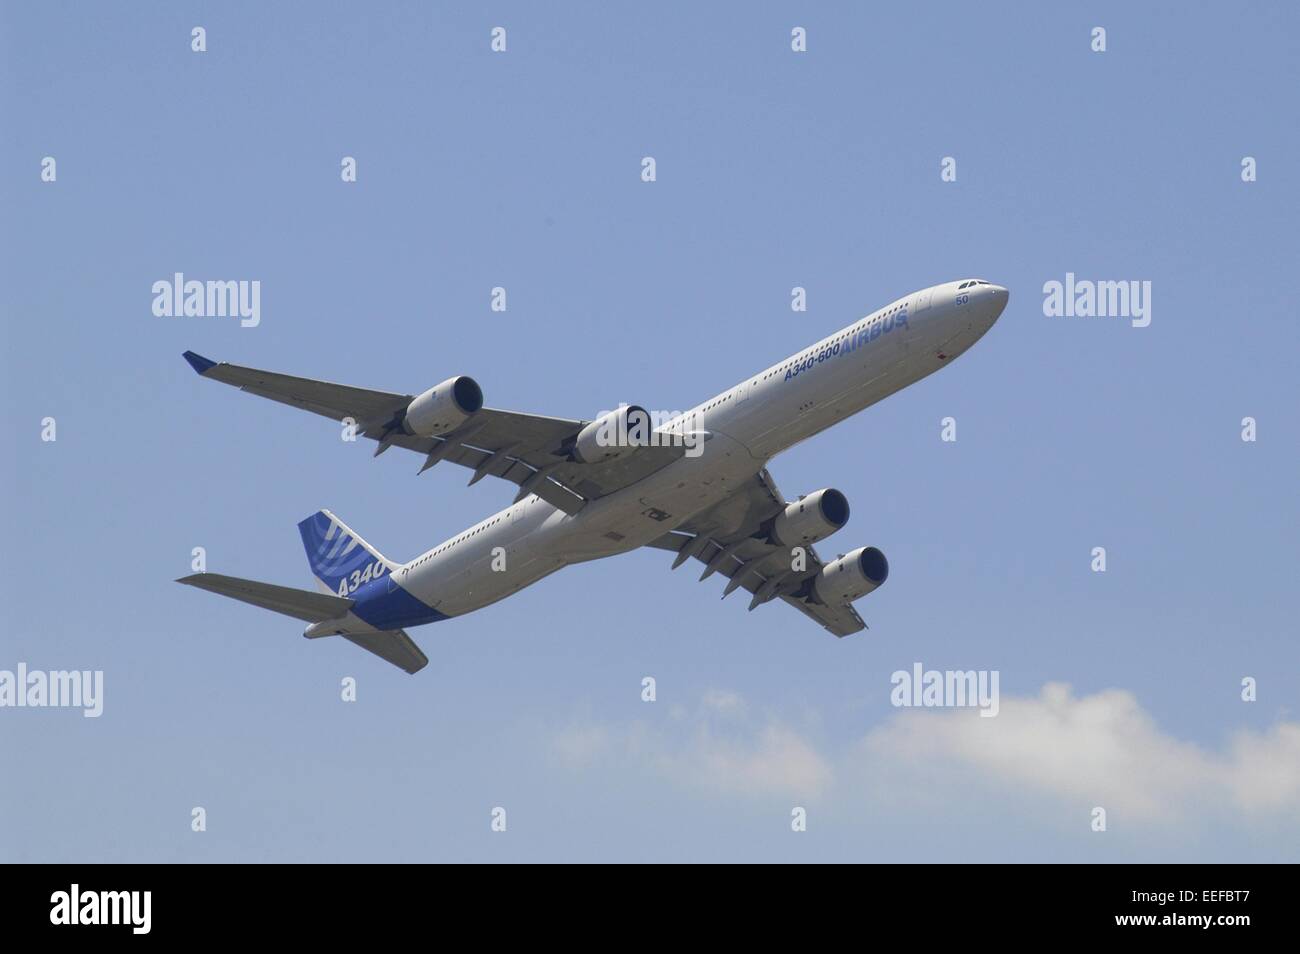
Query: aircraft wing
(722, 538)
(527, 449)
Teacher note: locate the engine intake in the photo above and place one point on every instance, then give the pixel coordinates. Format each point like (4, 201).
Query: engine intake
(613, 435)
(813, 518)
(852, 576)
(442, 409)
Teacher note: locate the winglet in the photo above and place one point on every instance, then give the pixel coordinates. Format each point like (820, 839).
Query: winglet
(198, 362)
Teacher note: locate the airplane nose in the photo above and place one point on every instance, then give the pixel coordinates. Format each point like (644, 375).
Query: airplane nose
(999, 296)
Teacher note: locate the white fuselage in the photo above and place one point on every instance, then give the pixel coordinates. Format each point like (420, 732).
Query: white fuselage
(747, 425)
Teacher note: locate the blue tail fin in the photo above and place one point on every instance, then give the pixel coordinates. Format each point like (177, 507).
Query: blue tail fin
(340, 559)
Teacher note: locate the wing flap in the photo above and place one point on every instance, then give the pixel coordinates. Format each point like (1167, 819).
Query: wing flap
(839, 621)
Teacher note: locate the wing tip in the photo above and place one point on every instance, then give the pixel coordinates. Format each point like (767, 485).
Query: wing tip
(199, 363)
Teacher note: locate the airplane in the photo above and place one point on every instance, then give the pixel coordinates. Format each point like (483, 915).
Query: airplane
(695, 484)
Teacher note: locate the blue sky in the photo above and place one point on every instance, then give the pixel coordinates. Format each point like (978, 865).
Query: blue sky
(775, 169)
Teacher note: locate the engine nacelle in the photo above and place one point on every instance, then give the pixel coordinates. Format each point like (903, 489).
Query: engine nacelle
(813, 518)
(852, 576)
(444, 408)
(613, 435)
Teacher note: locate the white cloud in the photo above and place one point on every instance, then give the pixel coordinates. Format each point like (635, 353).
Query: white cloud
(774, 760)
(716, 747)
(582, 744)
(724, 701)
(1101, 749)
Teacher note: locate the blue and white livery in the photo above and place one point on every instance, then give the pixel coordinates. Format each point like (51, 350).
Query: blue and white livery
(696, 484)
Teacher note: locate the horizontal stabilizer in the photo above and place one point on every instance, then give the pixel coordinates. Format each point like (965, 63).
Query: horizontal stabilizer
(394, 646)
(303, 604)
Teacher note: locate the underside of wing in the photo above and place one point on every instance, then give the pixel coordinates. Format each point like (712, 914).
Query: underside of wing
(335, 401)
(449, 423)
(733, 539)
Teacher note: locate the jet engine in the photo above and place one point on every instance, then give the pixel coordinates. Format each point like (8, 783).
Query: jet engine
(444, 408)
(613, 435)
(812, 518)
(851, 577)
